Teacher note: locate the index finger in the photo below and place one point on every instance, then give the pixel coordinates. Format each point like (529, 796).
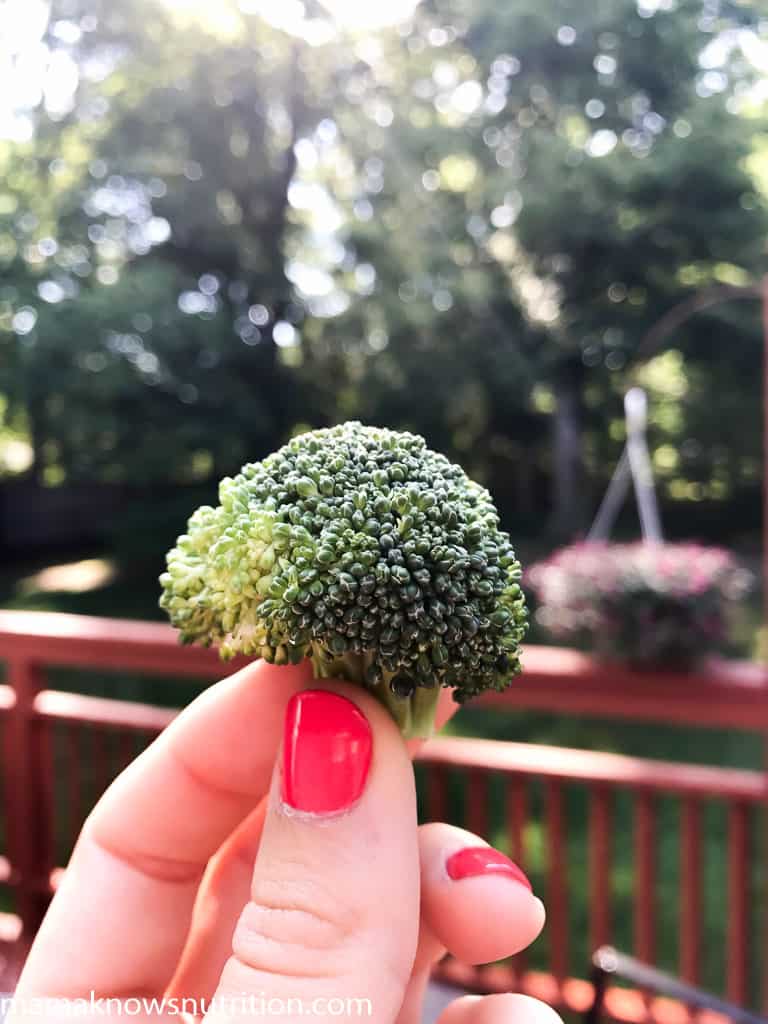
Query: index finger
(120, 918)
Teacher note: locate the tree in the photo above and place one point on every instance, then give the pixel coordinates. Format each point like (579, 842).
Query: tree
(464, 225)
(559, 175)
(162, 265)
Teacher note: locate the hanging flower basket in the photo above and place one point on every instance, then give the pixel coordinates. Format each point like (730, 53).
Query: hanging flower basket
(651, 605)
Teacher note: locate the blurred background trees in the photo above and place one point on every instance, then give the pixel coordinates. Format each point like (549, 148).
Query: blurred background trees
(220, 224)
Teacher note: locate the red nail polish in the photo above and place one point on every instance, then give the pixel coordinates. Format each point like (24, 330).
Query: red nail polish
(483, 860)
(326, 752)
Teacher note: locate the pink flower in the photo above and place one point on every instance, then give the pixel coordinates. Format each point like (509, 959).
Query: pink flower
(647, 596)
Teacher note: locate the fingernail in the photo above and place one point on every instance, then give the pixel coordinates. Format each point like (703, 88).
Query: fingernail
(326, 752)
(484, 860)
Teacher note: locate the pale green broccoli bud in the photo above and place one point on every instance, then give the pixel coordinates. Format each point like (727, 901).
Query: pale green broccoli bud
(363, 550)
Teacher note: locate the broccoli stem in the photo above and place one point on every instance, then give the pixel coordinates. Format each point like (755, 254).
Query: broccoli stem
(414, 715)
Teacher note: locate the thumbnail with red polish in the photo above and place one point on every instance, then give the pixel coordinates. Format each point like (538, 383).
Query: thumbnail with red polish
(483, 860)
(326, 752)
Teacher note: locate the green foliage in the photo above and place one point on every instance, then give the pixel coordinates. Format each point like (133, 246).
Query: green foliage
(550, 176)
(367, 552)
(150, 269)
(229, 232)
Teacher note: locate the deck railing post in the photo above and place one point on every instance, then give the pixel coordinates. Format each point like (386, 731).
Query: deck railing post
(737, 943)
(29, 836)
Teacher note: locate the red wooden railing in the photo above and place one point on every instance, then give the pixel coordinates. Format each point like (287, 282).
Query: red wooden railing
(60, 750)
(724, 694)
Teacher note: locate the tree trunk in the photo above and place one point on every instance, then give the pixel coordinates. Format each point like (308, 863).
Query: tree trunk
(567, 516)
(37, 438)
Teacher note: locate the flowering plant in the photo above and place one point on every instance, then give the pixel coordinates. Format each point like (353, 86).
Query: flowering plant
(649, 604)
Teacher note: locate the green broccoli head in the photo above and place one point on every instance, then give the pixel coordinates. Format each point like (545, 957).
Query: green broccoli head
(363, 550)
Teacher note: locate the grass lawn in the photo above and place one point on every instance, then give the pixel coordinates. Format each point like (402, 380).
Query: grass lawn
(116, 591)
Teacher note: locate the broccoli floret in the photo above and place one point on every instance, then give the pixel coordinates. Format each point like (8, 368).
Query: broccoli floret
(363, 550)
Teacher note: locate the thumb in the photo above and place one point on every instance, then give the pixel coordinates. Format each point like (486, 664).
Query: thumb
(331, 926)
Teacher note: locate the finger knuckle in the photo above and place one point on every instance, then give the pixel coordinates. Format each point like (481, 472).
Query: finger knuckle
(290, 926)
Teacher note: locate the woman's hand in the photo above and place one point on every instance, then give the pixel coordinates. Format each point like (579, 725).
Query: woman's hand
(262, 858)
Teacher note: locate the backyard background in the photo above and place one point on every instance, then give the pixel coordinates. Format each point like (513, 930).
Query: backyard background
(225, 223)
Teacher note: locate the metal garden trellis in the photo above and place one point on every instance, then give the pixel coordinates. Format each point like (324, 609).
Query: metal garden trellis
(680, 314)
(634, 465)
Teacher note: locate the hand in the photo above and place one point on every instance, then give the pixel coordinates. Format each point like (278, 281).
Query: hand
(265, 847)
